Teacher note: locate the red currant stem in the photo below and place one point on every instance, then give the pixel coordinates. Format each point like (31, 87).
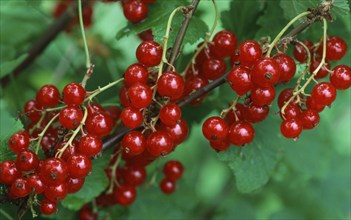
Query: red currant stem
(41, 135)
(101, 89)
(73, 136)
(113, 169)
(231, 107)
(33, 201)
(5, 214)
(37, 125)
(277, 38)
(81, 24)
(53, 109)
(87, 75)
(302, 89)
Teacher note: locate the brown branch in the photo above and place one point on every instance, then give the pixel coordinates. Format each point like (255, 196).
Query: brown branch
(40, 45)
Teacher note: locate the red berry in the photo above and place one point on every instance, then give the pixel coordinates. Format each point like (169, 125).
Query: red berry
(20, 188)
(159, 143)
(69, 151)
(94, 108)
(48, 207)
(70, 117)
(123, 96)
(131, 117)
(255, 113)
(53, 171)
(311, 104)
(215, 128)
(291, 111)
(300, 53)
(173, 170)
(90, 145)
(74, 184)
(309, 119)
(134, 175)
(114, 112)
(287, 67)
(241, 133)
(250, 51)
(193, 85)
(133, 143)
(178, 132)
(234, 60)
(285, 96)
(262, 96)
(140, 95)
(86, 213)
(213, 68)
(265, 72)
(27, 160)
(19, 141)
(56, 193)
(341, 77)
(149, 53)
(224, 44)
(239, 79)
(124, 195)
(79, 166)
(336, 48)
(146, 35)
(220, 145)
(36, 185)
(99, 124)
(32, 110)
(73, 94)
(323, 93)
(291, 128)
(48, 96)
(8, 172)
(167, 186)
(237, 114)
(170, 84)
(135, 10)
(136, 73)
(170, 114)
(323, 71)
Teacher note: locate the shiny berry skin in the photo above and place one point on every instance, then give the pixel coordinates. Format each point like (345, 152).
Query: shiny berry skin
(300, 53)
(159, 143)
(284, 97)
(170, 114)
(336, 48)
(133, 143)
(90, 145)
(69, 151)
(134, 175)
(341, 77)
(31, 110)
(309, 119)
(27, 160)
(149, 53)
(48, 96)
(48, 207)
(70, 117)
(99, 124)
(237, 114)
(94, 108)
(291, 111)
(87, 213)
(53, 171)
(287, 67)
(215, 128)
(56, 193)
(79, 166)
(178, 132)
(135, 10)
(73, 94)
(173, 170)
(20, 188)
(124, 195)
(167, 186)
(136, 73)
(224, 44)
(323, 71)
(311, 104)
(123, 96)
(170, 84)
(262, 96)
(265, 72)
(19, 141)
(291, 128)
(234, 60)
(213, 68)
(140, 95)
(8, 172)
(74, 184)
(255, 113)
(131, 117)
(241, 133)
(323, 93)
(220, 145)
(36, 185)
(239, 79)
(249, 51)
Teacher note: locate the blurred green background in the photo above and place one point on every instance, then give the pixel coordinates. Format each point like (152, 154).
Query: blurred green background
(273, 178)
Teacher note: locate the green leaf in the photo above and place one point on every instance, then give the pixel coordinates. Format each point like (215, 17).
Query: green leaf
(253, 164)
(94, 184)
(292, 8)
(8, 66)
(341, 7)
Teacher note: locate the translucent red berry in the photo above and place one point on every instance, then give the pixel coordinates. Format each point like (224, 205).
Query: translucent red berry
(220, 145)
(173, 170)
(300, 52)
(53, 171)
(136, 73)
(239, 79)
(135, 10)
(336, 48)
(140, 95)
(291, 128)
(19, 141)
(170, 114)
(241, 133)
(323, 93)
(70, 117)
(20, 188)
(178, 132)
(159, 143)
(311, 104)
(79, 166)
(224, 44)
(290, 111)
(287, 67)
(309, 118)
(133, 143)
(341, 77)
(32, 110)
(90, 145)
(99, 124)
(170, 84)
(124, 195)
(36, 185)
(262, 96)
(149, 53)
(255, 113)
(265, 72)
(48, 96)
(167, 186)
(74, 184)
(323, 71)
(56, 193)
(8, 172)
(213, 68)
(215, 128)
(73, 94)
(131, 117)
(27, 160)
(48, 207)
(249, 51)
(134, 175)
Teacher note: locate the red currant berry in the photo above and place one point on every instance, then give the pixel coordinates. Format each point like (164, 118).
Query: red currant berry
(140, 95)
(86, 213)
(159, 143)
(149, 53)
(262, 96)
(94, 108)
(178, 132)
(300, 53)
(69, 151)
(133, 143)
(336, 48)
(136, 73)
(114, 112)
(131, 117)
(324, 93)
(323, 72)
(56, 193)
(170, 114)
(8, 172)
(241, 133)
(73, 94)
(173, 170)
(215, 128)
(20, 188)
(311, 104)
(135, 10)
(170, 84)
(285, 96)
(146, 35)
(239, 79)
(224, 44)
(32, 110)
(309, 119)
(255, 113)
(341, 77)
(53, 171)
(48, 96)
(99, 124)
(237, 114)
(265, 72)
(19, 141)
(291, 111)
(74, 184)
(79, 166)
(234, 60)
(36, 185)
(27, 160)
(48, 207)
(193, 85)
(291, 128)
(287, 67)
(90, 145)
(167, 186)
(123, 96)
(134, 175)
(213, 68)
(70, 117)
(220, 145)
(124, 195)
(250, 51)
